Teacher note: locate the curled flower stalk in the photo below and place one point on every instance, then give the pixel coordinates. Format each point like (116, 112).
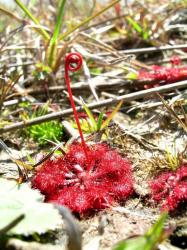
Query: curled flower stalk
(73, 62)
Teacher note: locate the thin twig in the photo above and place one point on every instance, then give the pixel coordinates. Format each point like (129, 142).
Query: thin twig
(12, 15)
(103, 22)
(58, 146)
(107, 102)
(17, 65)
(127, 51)
(99, 82)
(172, 112)
(90, 80)
(147, 50)
(103, 44)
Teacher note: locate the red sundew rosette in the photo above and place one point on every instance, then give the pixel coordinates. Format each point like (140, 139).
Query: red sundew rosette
(170, 188)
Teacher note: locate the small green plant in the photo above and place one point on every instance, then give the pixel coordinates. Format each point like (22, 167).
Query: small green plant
(142, 30)
(149, 241)
(47, 131)
(92, 124)
(51, 40)
(41, 71)
(172, 158)
(44, 132)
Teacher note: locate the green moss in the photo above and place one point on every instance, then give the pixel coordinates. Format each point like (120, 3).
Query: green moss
(44, 132)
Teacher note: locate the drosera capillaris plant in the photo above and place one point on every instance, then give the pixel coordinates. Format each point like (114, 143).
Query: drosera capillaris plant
(89, 177)
(169, 189)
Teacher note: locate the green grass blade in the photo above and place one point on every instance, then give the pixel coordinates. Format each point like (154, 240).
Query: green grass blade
(148, 241)
(87, 20)
(135, 25)
(154, 235)
(53, 42)
(99, 121)
(90, 115)
(35, 20)
(110, 117)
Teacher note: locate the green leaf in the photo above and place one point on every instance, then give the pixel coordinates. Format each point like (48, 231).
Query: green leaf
(135, 25)
(53, 42)
(145, 35)
(132, 76)
(132, 244)
(90, 115)
(99, 121)
(154, 235)
(110, 117)
(21, 199)
(148, 241)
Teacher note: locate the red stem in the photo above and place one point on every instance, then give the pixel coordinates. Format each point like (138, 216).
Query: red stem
(73, 62)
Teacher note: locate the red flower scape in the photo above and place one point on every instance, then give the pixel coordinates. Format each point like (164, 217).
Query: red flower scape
(85, 183)
(170, 188)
